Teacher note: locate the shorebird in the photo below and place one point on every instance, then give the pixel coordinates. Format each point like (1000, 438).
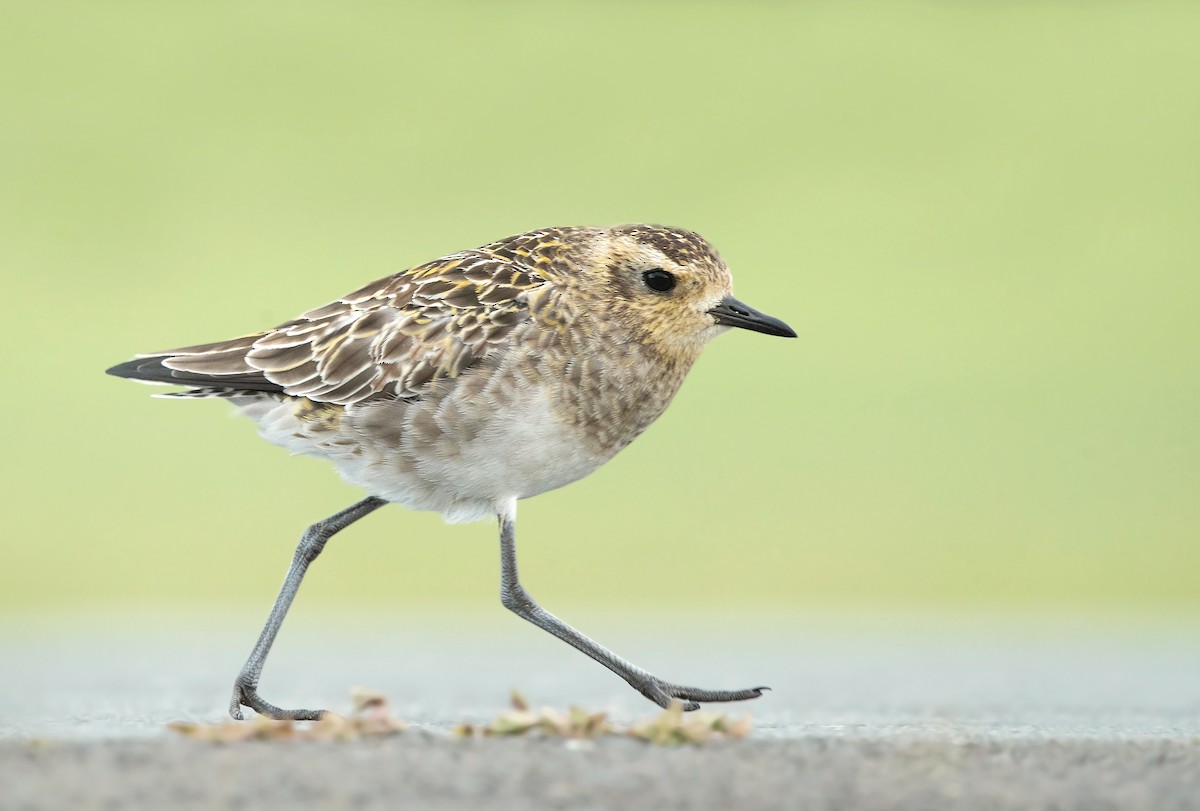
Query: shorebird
(473, 381)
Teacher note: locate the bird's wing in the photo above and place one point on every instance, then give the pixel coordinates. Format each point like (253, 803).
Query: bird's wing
(393, 337)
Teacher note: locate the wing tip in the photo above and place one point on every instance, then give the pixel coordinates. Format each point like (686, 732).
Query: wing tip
(154, 370)
(142, 369)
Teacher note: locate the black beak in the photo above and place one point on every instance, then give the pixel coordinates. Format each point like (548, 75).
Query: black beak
(732, 313)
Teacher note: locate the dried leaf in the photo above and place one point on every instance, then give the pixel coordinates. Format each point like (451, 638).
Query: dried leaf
(372, 718)
(362, 699)
(517, 722)
(673, 727)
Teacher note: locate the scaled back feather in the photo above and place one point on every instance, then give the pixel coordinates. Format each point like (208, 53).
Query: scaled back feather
(391, 338)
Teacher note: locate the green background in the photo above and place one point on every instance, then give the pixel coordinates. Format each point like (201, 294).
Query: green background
(982, 218)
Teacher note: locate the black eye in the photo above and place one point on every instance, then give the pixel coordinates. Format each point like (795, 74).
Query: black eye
(658, 279)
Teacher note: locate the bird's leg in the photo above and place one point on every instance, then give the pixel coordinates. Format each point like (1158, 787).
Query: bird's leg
(516, 599)
(245, 689)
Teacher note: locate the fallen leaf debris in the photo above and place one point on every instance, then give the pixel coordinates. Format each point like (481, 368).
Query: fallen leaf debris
(372, 718)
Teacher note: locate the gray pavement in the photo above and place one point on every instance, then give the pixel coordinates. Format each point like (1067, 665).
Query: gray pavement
(867, 712)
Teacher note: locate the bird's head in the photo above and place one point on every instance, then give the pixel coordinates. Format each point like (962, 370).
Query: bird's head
(668, 287)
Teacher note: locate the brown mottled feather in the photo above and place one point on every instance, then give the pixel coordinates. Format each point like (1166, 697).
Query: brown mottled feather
(392, 337)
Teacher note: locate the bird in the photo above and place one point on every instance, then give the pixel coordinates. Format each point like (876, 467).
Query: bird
(471, 382)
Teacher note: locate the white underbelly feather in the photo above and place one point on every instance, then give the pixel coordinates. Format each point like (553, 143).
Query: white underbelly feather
(462, 459)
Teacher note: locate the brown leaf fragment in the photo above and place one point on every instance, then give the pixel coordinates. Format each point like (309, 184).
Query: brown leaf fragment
(739, 728)
(371, 718)
(674, 727)
(517, 722)
(332, 727)
(548, 722)
(362, 700)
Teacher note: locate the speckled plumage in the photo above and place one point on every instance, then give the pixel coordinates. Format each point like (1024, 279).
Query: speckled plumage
(485, 376)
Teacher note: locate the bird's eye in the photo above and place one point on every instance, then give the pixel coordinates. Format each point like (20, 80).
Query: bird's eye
(658, 279)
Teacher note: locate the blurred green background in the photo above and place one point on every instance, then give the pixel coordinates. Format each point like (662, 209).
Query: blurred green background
(982, 218)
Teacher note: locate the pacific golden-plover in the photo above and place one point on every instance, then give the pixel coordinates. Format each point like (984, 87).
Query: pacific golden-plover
(473, 381)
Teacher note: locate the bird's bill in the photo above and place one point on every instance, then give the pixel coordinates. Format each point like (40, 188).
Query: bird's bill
(732, 313)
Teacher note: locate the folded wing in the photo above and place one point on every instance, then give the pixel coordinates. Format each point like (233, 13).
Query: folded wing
(391, 338)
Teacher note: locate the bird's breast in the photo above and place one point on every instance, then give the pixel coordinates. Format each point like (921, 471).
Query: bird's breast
(609, 393)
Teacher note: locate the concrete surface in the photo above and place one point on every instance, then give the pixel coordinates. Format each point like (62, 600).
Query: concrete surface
(870, 713)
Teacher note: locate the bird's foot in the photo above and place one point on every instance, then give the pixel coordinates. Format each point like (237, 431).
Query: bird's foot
(245, 694)
(663, 693)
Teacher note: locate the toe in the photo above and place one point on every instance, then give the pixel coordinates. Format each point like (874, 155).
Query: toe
(698, 694)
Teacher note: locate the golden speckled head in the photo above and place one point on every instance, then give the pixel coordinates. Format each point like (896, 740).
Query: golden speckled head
(667, 286)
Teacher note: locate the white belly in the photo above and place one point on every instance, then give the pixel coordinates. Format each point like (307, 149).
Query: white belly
(465, 460)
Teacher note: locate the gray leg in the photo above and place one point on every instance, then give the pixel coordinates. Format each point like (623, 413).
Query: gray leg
(516, 599)
(245, 689)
